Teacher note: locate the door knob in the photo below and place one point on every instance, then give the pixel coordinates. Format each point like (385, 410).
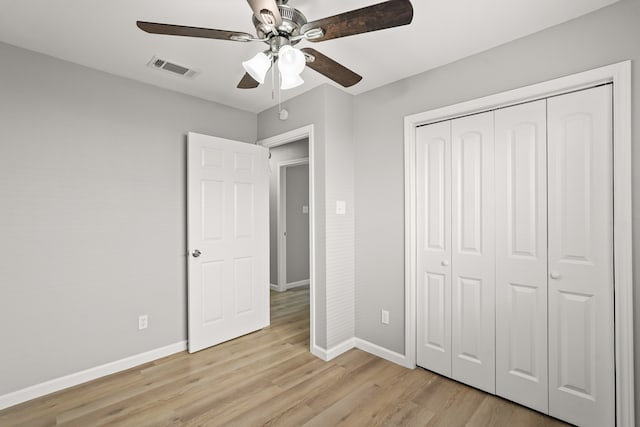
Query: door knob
(445, 263)
(555, 275)
(196, 253)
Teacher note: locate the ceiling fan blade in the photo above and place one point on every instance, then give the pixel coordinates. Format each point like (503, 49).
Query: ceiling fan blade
(247, 82)
(330, 68)
(179, 30)
(389, 14)
(266, 11)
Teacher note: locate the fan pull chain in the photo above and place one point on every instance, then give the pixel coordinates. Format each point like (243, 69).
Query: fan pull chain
(273, 79)
(279, 94)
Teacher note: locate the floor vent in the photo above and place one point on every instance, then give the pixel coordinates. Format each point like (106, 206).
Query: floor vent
(170, 67)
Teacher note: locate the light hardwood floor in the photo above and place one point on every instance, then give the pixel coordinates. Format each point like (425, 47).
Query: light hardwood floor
(270, 378)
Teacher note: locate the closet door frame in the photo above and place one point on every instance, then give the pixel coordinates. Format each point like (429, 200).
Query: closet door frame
(620, 75)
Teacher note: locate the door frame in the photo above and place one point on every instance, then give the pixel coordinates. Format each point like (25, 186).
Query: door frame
(285, 138)
(281, 241)
(620, 75)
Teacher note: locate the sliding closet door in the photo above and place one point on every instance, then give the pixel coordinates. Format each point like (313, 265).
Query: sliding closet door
(521, 254)
(433, 171)
(473, 258)
(581, 334)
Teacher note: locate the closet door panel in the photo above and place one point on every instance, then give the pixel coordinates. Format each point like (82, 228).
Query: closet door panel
(473, 258)
(521, 254)
(433, 149)
(581, 334)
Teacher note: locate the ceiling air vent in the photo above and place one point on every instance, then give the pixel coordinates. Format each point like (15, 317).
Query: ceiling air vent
(161, 64)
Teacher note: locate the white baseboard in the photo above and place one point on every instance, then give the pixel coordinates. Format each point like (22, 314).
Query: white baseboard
(382, 352)
(333, 352)
(363, 345)
(343, 347)
(276, 288)
(90, 374)
(320, 353)
(296, 284)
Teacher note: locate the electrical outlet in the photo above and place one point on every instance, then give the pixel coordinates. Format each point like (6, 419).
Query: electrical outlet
(384, 317)
(143, 322)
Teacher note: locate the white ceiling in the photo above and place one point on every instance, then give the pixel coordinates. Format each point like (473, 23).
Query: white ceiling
(103, 35)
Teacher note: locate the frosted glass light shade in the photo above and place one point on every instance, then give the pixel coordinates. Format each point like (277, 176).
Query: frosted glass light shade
(290, 60)
(258, 66)
(289, 81)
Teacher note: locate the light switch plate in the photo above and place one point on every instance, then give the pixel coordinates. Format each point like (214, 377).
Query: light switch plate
(341, 207)
(305, 209)
(384, 317)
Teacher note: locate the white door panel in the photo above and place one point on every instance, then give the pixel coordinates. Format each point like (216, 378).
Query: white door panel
(434, 247)
(515, 254)
(473, 258)
(581, 335)
(521, 254)
(228, 224)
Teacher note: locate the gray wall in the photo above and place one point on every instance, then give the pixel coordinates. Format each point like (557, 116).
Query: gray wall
(92, 214)
(293, 150)
(340, 229)
(297, 223)
(600, 38)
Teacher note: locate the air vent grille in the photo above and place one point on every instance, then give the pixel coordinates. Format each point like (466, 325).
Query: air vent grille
(171, 67)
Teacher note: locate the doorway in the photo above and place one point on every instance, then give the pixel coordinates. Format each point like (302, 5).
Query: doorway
(305, 134)
(289, 215)
(292, 229)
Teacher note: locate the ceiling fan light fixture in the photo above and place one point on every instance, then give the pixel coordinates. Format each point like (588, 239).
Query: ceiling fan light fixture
(290, 60)
(289, 81)
(258, 66)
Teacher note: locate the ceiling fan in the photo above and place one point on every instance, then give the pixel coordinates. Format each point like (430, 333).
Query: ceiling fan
(282, 27)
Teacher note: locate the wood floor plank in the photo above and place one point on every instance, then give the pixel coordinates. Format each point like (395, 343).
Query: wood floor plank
(285, 407)
(269, 378)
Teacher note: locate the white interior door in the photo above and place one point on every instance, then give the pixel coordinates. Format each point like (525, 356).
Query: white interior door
(581, 334)
(521, 254)
(473, 256)
(433, 169)
(228, 239)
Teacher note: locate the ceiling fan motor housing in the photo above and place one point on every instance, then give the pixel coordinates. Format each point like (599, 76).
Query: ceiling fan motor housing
(292, 22)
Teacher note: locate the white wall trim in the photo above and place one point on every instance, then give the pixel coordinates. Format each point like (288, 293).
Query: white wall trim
(276, 288)
(319, 352)
(284, 138)
(287, 137)
(620, 75)
(383, 353)
(90, 374)
(334, 351)
(281, 214)
(297, 284)
(363, 345)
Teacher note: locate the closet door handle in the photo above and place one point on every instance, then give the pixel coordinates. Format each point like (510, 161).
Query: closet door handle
(445, 263)
(555, 275)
